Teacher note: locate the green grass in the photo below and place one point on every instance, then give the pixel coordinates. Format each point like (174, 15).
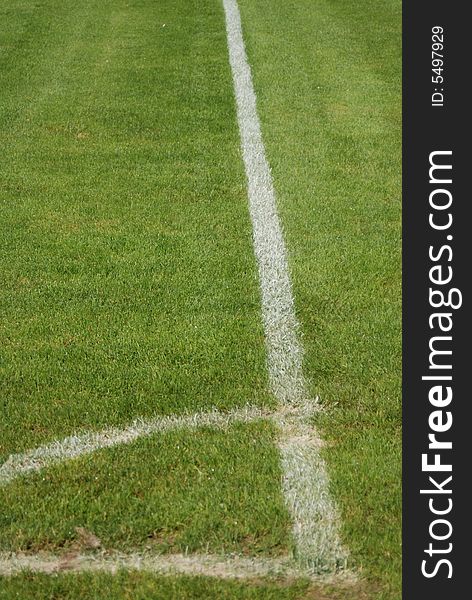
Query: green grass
(140, 586)
(144, 586)
(128, 276)
(327, 74)
(208, 491)
(129, 284)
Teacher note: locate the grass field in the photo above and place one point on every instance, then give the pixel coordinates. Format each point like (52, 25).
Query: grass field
(130, 287)
(129, 277)
(327, 76)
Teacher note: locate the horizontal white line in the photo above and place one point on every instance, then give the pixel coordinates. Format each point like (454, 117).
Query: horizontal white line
(225, 567)
(88, 442)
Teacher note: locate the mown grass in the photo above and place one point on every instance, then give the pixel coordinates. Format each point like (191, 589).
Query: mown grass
(143, 586)
(128, 276)
(129, 288)
(327, 74)
(208, 491)
(129, 285)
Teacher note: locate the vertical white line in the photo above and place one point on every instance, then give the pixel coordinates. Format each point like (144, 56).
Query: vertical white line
(305, 481)
(284, 352)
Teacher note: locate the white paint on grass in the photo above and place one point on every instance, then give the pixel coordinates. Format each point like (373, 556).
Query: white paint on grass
(85, 443)
(306, 490)
(224, 567)
(284, 351)
(305, 481)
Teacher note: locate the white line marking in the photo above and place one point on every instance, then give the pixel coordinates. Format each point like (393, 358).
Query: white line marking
(284, 351)
(305, 481)
(85, 443)
(225, 567)
(306, 490)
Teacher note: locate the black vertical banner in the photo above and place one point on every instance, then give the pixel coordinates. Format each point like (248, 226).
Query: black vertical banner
(437, 241)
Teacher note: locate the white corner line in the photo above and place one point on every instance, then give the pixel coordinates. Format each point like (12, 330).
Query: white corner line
(305, 480)
(91, 441)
